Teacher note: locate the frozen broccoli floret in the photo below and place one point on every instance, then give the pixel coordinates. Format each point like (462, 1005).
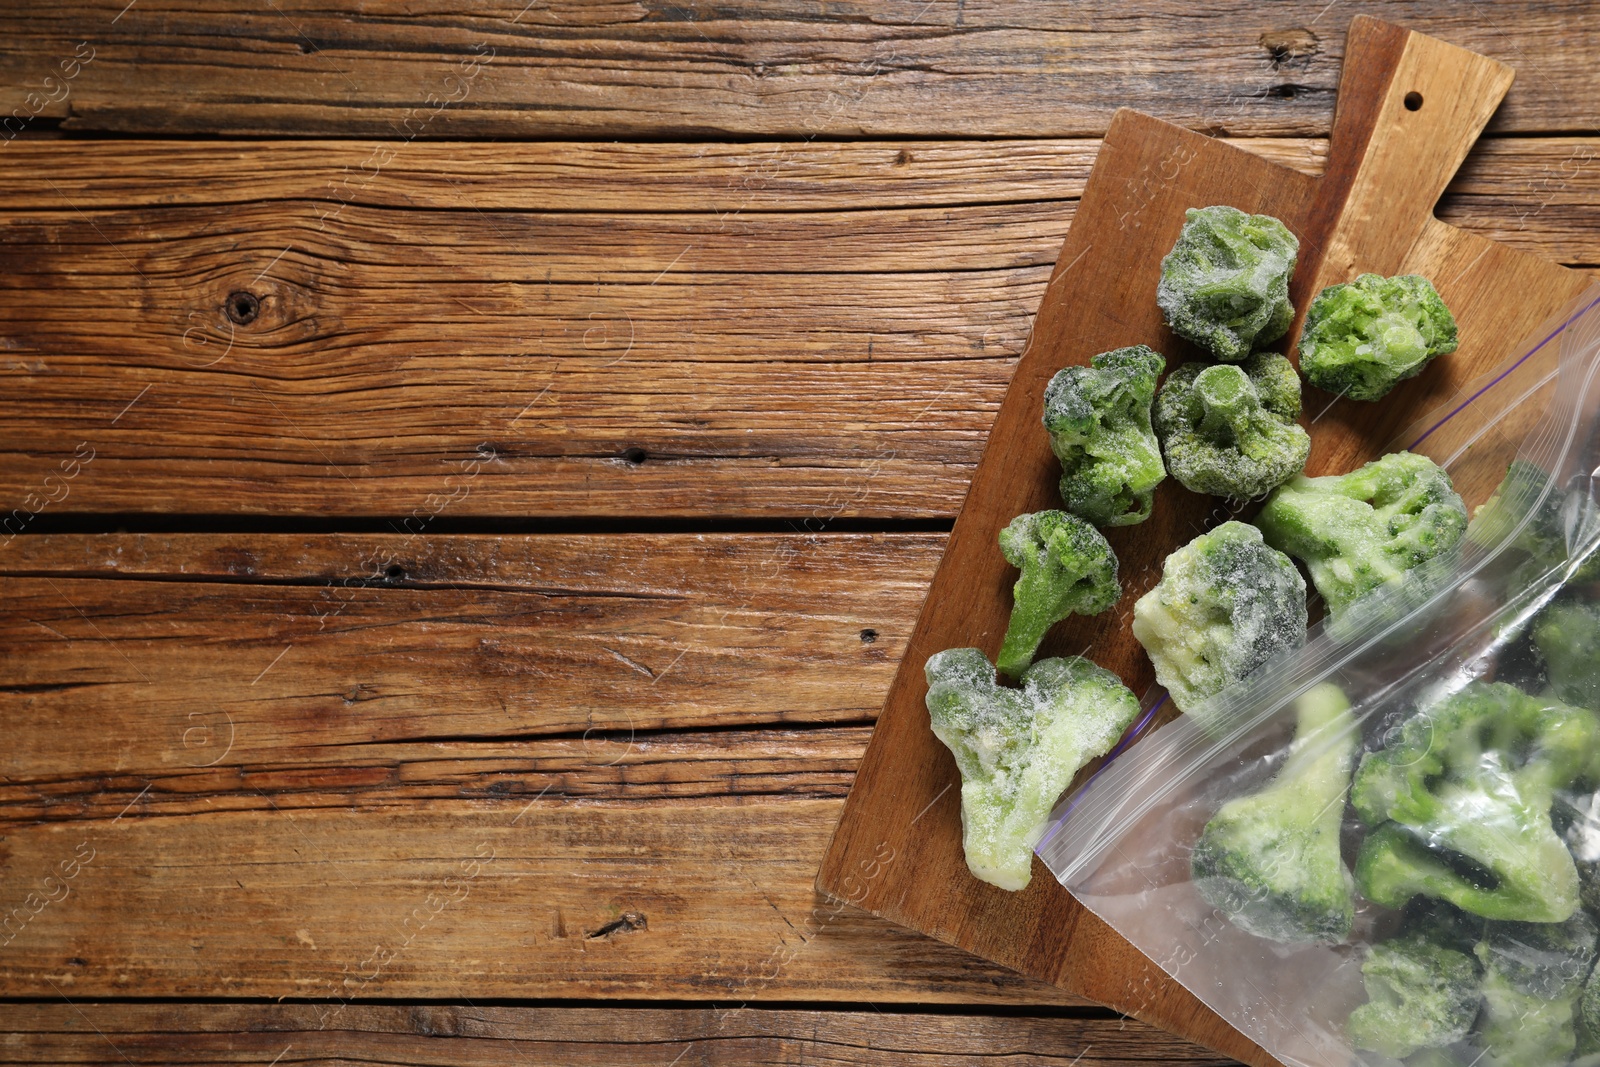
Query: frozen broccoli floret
(1363, 337)
(1567, 634)
(1270, 861)
(1067, 569)
(1366, 529)
(1099, 422)
(1533, 975)
(1460, 804)
(1225, 284)
(1017, 749)
(1226, 604)
(1419, 995)
(1589, 1015)
(1525, 488)
(1229, 430)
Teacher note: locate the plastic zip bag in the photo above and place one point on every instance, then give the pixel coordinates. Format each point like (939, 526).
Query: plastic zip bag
(1467, 706)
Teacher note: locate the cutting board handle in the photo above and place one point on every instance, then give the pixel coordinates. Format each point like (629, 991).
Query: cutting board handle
(1409, 109)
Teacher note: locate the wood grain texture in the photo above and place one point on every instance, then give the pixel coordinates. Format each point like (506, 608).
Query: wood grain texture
(1370, 210)
(471, 1036)
(462, 334)
(259, 738)
(798, 68)
(237, 651)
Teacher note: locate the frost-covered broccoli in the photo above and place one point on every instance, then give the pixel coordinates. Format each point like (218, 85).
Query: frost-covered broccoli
(1363, 337)
(1226, 604)
(1533, 975)
(1225, 284)
(1589, 1015)
(1098, 418)
(1068, 568)
(1017, 749)
(1229, 430)
(1420, 994)
(1366, 529)
(1270, 861)
(1525, 488)
(1468, 786)
(1567, 634)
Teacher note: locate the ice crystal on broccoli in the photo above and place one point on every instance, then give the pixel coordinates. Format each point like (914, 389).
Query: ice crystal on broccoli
(1018, 749)
(1226, 603)
(1099, 422)
(1362, 338)
(1230, 430)
(1225, 284)
(1067, 567)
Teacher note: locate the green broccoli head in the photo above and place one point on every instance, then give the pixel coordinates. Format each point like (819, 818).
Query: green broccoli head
(1460, 804)
(1098, 418)
(1226, 604)
(1018, 749)
(1270, 861)
(1229, 430)
(1225, 284)
(1419, 995)
(1359, 531)
(1363, 337)
(1068, 568)
(1533, 976)
(1567, 634)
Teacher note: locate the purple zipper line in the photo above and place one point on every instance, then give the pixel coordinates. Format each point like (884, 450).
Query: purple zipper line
(1502, 375)
(1121, 746)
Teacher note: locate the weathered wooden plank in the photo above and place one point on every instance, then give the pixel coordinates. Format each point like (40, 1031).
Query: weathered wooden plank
(260, 757)
(197, 651)
(600, 765)
(501, 360)
(724, 178)
(908, 68)
(89, 1032)
(1539, 194)
(519, 898)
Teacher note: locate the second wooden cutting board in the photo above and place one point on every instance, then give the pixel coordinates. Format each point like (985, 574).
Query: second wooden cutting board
(1409, 109)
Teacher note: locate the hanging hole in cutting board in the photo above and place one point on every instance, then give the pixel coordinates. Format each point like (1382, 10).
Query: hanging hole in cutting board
(1413, 101)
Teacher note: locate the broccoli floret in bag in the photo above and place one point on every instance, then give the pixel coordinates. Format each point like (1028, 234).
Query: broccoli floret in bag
(1017, 749)
(1533, 975)
(1225, 284)
(1362, 338)
(1588, 1017)
(1270, 861)
(1460, 805)
(1229, 430)
(1067, 567)
(1562, 525)
(1525, 488)
(1226, 604)
(1420, 994)
(1359, 531)
(1098, 418)
(1567, 634)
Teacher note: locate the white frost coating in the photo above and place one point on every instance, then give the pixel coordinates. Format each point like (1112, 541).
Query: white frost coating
(1018, 749)
(1226, 603)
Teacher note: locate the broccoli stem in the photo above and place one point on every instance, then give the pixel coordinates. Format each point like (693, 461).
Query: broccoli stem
(1323, 749)
(1023, 637)
(1270, 860)
(1228, 399)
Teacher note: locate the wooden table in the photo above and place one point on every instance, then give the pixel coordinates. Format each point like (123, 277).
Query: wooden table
(469, 471)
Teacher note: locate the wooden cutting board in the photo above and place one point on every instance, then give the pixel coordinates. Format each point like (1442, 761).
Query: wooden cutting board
(1409, 108)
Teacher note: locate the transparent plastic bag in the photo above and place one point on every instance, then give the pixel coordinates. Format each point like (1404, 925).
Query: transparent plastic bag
(1473, 733)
